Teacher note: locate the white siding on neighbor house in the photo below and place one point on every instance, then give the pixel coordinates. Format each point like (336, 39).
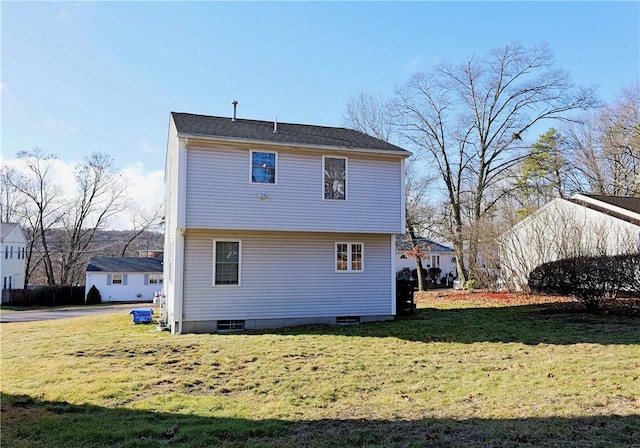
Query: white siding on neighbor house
(287, 275)
(562, 229)
(447, 264)
(220, 196)
(12, 250)
(135, 284)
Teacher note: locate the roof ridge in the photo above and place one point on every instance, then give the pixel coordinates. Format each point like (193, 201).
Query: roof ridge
(271, 122)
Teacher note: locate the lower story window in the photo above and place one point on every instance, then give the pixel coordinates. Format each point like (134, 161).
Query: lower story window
(155, 279)
(226, 256)
(349, 257)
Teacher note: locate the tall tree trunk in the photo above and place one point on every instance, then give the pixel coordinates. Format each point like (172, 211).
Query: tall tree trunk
(422, 284)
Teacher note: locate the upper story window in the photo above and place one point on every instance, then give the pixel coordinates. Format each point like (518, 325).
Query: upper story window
(263, 167)
(226, 262)
(335, 177)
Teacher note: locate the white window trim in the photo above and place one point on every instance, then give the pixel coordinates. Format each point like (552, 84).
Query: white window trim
(275, 179)
(213, 273)
(121, 279)
(346, 178)
(349, 252)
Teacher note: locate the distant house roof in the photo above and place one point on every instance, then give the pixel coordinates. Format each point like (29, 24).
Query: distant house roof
(621, 207)
(6, 228)
(124, 264)
(287, 133)
(404, 244)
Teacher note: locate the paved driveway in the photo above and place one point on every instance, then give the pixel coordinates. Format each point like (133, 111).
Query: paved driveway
(63, 313)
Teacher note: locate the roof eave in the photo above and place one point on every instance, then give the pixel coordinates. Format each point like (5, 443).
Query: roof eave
(605, 205)
(214, 139)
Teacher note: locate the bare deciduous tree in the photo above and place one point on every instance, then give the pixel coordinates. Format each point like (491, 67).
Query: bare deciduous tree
(606, 147)
(418, 210)
(12, 203)
(99, 197)
(142, 222)
(471, 120)
(373, 115)
(43, 208)
(370, 114)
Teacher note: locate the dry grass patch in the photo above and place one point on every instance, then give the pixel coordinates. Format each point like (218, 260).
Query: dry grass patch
(456, 374)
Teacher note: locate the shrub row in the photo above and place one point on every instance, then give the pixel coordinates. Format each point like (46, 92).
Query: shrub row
(589, 279)
(54, 295)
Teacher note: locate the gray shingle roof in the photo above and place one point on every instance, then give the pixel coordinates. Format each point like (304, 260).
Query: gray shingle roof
(624, 202)
(405, 244)
(6, 228)
(288, 133)
(124, 264)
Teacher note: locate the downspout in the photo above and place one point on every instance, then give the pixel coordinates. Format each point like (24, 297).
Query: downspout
(178, 286)
(393, 275)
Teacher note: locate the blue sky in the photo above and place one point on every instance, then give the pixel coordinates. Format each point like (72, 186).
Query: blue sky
(78, 76)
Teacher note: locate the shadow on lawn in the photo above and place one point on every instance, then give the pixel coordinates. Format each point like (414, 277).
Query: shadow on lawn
(29, 422)
(526, 324)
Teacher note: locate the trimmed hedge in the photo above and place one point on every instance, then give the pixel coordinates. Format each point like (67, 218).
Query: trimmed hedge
(589, 279)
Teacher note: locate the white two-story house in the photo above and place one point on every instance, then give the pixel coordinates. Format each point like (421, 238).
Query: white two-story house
(12, 255)
(275, 224)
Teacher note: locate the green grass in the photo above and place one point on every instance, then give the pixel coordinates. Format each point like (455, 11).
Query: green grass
(450, 376)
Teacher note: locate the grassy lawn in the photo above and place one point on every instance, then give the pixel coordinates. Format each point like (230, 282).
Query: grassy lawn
(464, 373)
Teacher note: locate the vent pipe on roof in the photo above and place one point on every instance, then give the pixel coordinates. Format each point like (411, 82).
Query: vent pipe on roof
(275, 126)
(235, 103)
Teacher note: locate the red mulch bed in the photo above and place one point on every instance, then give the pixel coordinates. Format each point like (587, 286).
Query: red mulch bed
(620, 306)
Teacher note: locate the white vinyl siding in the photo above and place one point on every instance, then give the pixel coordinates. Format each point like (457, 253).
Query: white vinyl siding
(562, 229)
(12, 258)
(219, 198)
(172, 223)
(136, 286)
(286, 274)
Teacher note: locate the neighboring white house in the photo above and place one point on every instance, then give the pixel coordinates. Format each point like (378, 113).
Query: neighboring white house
(435, 256)
(12, 255)
(125, 279)
(583, 225)
(275, 224)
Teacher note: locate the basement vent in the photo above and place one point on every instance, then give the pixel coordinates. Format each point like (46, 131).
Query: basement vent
(226, 325)
(347, 320)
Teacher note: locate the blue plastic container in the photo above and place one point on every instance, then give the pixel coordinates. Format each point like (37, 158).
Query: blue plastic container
(142, 315)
